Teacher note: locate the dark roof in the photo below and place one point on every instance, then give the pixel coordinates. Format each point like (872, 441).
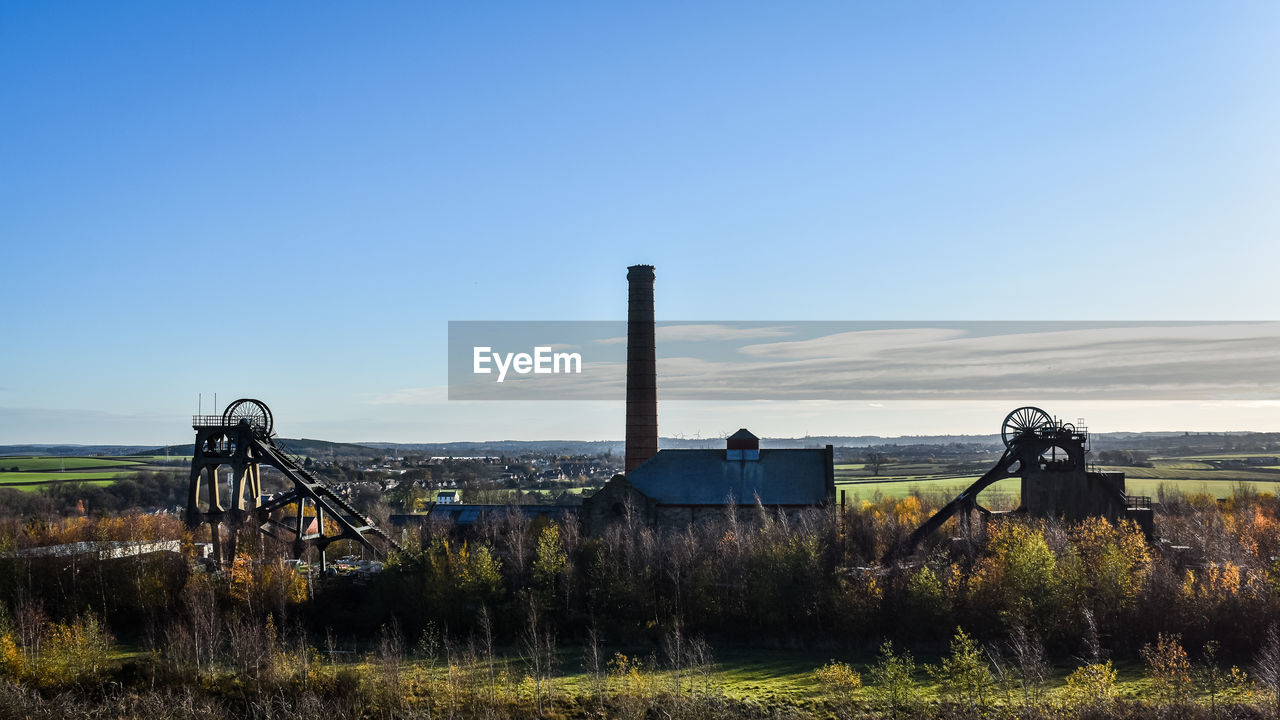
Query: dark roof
(706, 477)
(461, 514)
(743, 434)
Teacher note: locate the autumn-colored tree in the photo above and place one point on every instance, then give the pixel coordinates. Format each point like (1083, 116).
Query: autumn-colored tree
(1018, 580)
(549, 564)
(1168, 671)
(839, 682)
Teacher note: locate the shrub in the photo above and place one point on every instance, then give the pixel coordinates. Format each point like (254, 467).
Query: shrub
(894, 684)
(963, 676)
(1091, 685)
(839, 682)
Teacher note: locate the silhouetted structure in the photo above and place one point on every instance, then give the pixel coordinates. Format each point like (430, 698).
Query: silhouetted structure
(1049, 458)
(642, 369)
(678, 488)
(241, 438)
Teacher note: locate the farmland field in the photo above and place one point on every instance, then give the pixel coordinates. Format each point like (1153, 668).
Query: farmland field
(1190, 475)
(26, 463)
(30, 473)
(33, 487)
(32, 478)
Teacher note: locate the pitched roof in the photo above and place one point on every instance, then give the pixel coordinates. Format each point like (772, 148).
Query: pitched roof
(706, 477)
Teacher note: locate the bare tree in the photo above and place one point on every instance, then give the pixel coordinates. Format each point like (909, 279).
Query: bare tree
(673, 646)
(1031, 665)
(486, 639)
(702, 664)
(1093, 652)
(874, 461)
(596, 662)
(1266, 666)
(538, 646)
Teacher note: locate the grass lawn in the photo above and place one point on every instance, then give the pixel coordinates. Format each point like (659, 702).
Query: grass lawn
(772, 677)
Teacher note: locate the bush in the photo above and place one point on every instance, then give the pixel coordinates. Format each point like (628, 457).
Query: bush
(839, 682)
(963, 676)
(1091, 685)
(893, 682)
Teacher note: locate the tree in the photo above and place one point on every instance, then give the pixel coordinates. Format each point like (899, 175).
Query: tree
(1218, 684)
(963, 676)
(893, 681)
(1019, 580)
(874, 461)
(1031, 665)
(1266, 666)
(1168, 670)
(549, 563)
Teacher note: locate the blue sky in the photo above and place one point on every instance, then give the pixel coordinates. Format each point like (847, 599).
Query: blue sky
(290, 200)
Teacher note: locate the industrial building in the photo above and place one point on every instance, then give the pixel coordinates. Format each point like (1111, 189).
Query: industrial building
(673, 489)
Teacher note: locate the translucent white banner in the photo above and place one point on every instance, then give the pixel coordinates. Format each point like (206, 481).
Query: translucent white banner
(859, 360)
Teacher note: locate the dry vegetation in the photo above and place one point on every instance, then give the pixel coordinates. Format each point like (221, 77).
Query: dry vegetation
(1024, 618)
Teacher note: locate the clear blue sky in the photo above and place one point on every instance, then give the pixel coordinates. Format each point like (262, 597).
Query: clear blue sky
(290, 200)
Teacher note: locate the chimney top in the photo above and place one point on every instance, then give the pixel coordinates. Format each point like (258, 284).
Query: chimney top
(639, 271)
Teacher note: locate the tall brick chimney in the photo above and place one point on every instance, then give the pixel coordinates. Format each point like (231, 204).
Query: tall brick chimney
(642, 369)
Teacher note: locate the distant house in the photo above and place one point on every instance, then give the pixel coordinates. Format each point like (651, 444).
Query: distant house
(677, 488)
(447, 497)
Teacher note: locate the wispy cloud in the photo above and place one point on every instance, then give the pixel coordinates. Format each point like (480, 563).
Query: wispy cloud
(1208, 361)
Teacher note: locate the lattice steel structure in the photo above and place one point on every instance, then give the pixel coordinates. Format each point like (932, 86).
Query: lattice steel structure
(1048, 455)
(242, 438)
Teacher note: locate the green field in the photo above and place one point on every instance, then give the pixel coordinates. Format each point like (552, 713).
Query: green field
(35, 478)
(1183, 470)
(1001, 494)
(35, 472)
(1190, 475)
(38, 486)
(1225, 456)
(26, 463)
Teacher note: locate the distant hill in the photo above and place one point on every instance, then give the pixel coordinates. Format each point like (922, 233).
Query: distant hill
(68, 450)
(324, 449)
